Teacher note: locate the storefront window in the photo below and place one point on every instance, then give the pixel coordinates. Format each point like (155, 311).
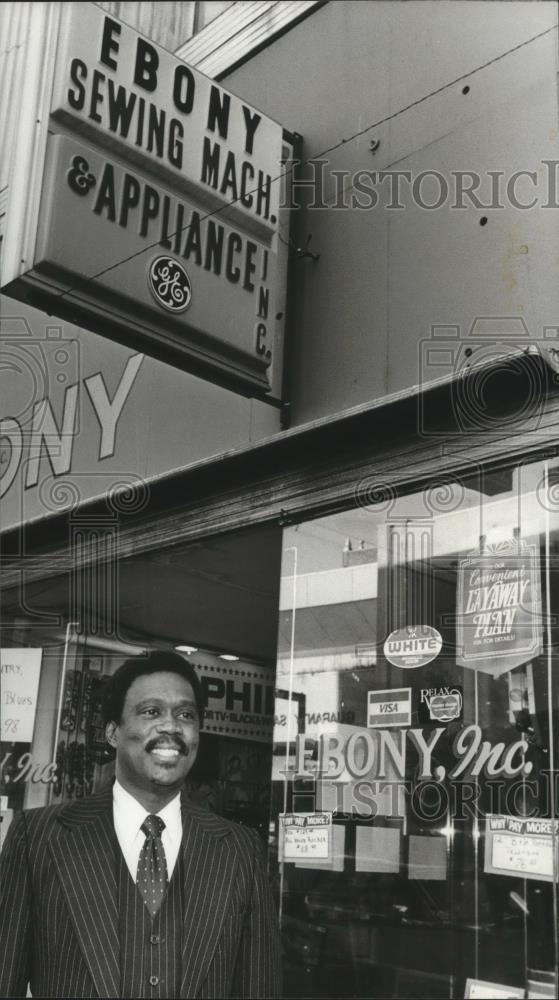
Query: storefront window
(53, 747)
(215, 601)
(415, 744)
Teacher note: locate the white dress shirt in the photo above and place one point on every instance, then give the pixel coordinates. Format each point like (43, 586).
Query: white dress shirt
(128, 817)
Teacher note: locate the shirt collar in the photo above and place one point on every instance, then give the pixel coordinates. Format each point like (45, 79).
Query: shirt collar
(125, 805)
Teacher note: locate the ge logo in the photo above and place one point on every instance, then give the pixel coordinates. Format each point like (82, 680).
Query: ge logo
(169, 284)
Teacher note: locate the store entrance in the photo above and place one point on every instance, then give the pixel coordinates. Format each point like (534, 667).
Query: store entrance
(215, 600)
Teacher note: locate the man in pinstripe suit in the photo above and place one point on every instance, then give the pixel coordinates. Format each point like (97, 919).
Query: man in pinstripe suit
(74, 920)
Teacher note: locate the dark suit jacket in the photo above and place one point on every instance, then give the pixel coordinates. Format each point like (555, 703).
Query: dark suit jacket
(58, 906)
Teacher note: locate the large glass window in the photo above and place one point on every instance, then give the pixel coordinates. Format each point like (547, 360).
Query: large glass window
(215, 600)
(415, 742)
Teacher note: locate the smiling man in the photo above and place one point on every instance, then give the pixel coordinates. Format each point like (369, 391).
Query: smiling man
(136, 892)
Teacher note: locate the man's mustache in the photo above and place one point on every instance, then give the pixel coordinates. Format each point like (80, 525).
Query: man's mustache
(175, 744)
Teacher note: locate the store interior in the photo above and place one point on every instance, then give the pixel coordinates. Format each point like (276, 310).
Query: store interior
(216, 600)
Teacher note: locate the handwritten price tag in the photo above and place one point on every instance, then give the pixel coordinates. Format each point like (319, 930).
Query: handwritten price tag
(521, 846)
(306, 835)
(530, 856)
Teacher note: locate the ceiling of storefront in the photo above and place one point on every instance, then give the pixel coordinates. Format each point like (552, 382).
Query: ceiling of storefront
(330, 628)
(220, 594)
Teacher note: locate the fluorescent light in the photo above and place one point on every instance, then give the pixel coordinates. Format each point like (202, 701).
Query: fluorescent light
(111, 646)
(186, 649)
(228, 656)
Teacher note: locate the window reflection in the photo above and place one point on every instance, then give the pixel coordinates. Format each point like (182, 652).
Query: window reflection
(414, 741)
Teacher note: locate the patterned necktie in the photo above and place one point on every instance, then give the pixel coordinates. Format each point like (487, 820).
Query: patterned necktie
(152, 866)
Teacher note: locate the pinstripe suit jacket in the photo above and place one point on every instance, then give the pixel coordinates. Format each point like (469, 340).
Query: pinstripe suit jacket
(58, 906)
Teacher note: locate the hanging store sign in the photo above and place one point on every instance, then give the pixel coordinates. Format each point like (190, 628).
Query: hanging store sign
(155, 205)
(499, 623)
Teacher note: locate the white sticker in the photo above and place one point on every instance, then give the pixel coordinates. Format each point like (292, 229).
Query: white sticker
(413, 646)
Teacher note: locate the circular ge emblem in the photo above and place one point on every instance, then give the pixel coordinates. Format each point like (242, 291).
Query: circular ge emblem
(169, 284)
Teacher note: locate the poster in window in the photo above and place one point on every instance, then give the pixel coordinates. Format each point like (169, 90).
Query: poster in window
(499, 622)
(20, 670)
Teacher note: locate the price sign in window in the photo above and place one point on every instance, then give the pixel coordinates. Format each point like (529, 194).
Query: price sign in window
(20, 671)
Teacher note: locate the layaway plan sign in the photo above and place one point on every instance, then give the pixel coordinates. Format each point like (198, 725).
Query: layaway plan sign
(499, 621)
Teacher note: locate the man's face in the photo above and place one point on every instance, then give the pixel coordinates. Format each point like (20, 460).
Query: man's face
(156, 739)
